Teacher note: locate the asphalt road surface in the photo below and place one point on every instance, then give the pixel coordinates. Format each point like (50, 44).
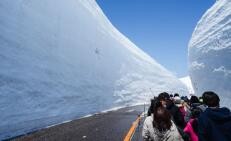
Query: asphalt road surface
(110, 126)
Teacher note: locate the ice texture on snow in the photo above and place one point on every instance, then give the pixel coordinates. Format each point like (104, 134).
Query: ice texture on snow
(210, 52)
(61, 60)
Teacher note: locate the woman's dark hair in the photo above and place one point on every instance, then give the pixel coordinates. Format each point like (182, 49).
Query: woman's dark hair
(163, 96)
(155, 103)
(176, 94)
(211, 99)
(162, 119)
(194, 99)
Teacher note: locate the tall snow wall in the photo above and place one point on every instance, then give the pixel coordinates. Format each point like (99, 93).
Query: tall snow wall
(210, 52)
(61, 60)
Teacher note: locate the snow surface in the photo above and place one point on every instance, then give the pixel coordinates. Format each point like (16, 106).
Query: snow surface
(187, 81)
(61, 60)
(210, 52)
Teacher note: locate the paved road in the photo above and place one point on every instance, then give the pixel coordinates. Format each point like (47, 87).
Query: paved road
(111, 126)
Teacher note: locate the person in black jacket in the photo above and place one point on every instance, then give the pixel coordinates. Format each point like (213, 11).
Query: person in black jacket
(214, 124)
(165, 100)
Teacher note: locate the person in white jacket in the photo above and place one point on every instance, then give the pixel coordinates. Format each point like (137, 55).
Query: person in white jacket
(160, 127)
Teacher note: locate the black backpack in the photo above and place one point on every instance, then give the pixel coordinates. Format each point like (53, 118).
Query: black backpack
(195, 111)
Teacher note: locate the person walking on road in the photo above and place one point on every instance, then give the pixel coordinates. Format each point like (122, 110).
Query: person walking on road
(214, 124)
(160, 127)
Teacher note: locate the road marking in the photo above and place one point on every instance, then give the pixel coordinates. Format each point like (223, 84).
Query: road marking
(132, 130)
(84, 137)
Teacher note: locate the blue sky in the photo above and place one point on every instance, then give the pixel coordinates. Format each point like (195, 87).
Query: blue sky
(162, 28)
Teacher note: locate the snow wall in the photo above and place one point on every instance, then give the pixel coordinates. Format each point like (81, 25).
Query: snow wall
(61, 60)
(210, 52)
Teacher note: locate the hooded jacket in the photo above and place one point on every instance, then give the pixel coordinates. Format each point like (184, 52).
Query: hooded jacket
(214, 124)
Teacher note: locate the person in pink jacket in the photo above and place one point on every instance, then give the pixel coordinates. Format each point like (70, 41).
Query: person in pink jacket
(191, 129)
